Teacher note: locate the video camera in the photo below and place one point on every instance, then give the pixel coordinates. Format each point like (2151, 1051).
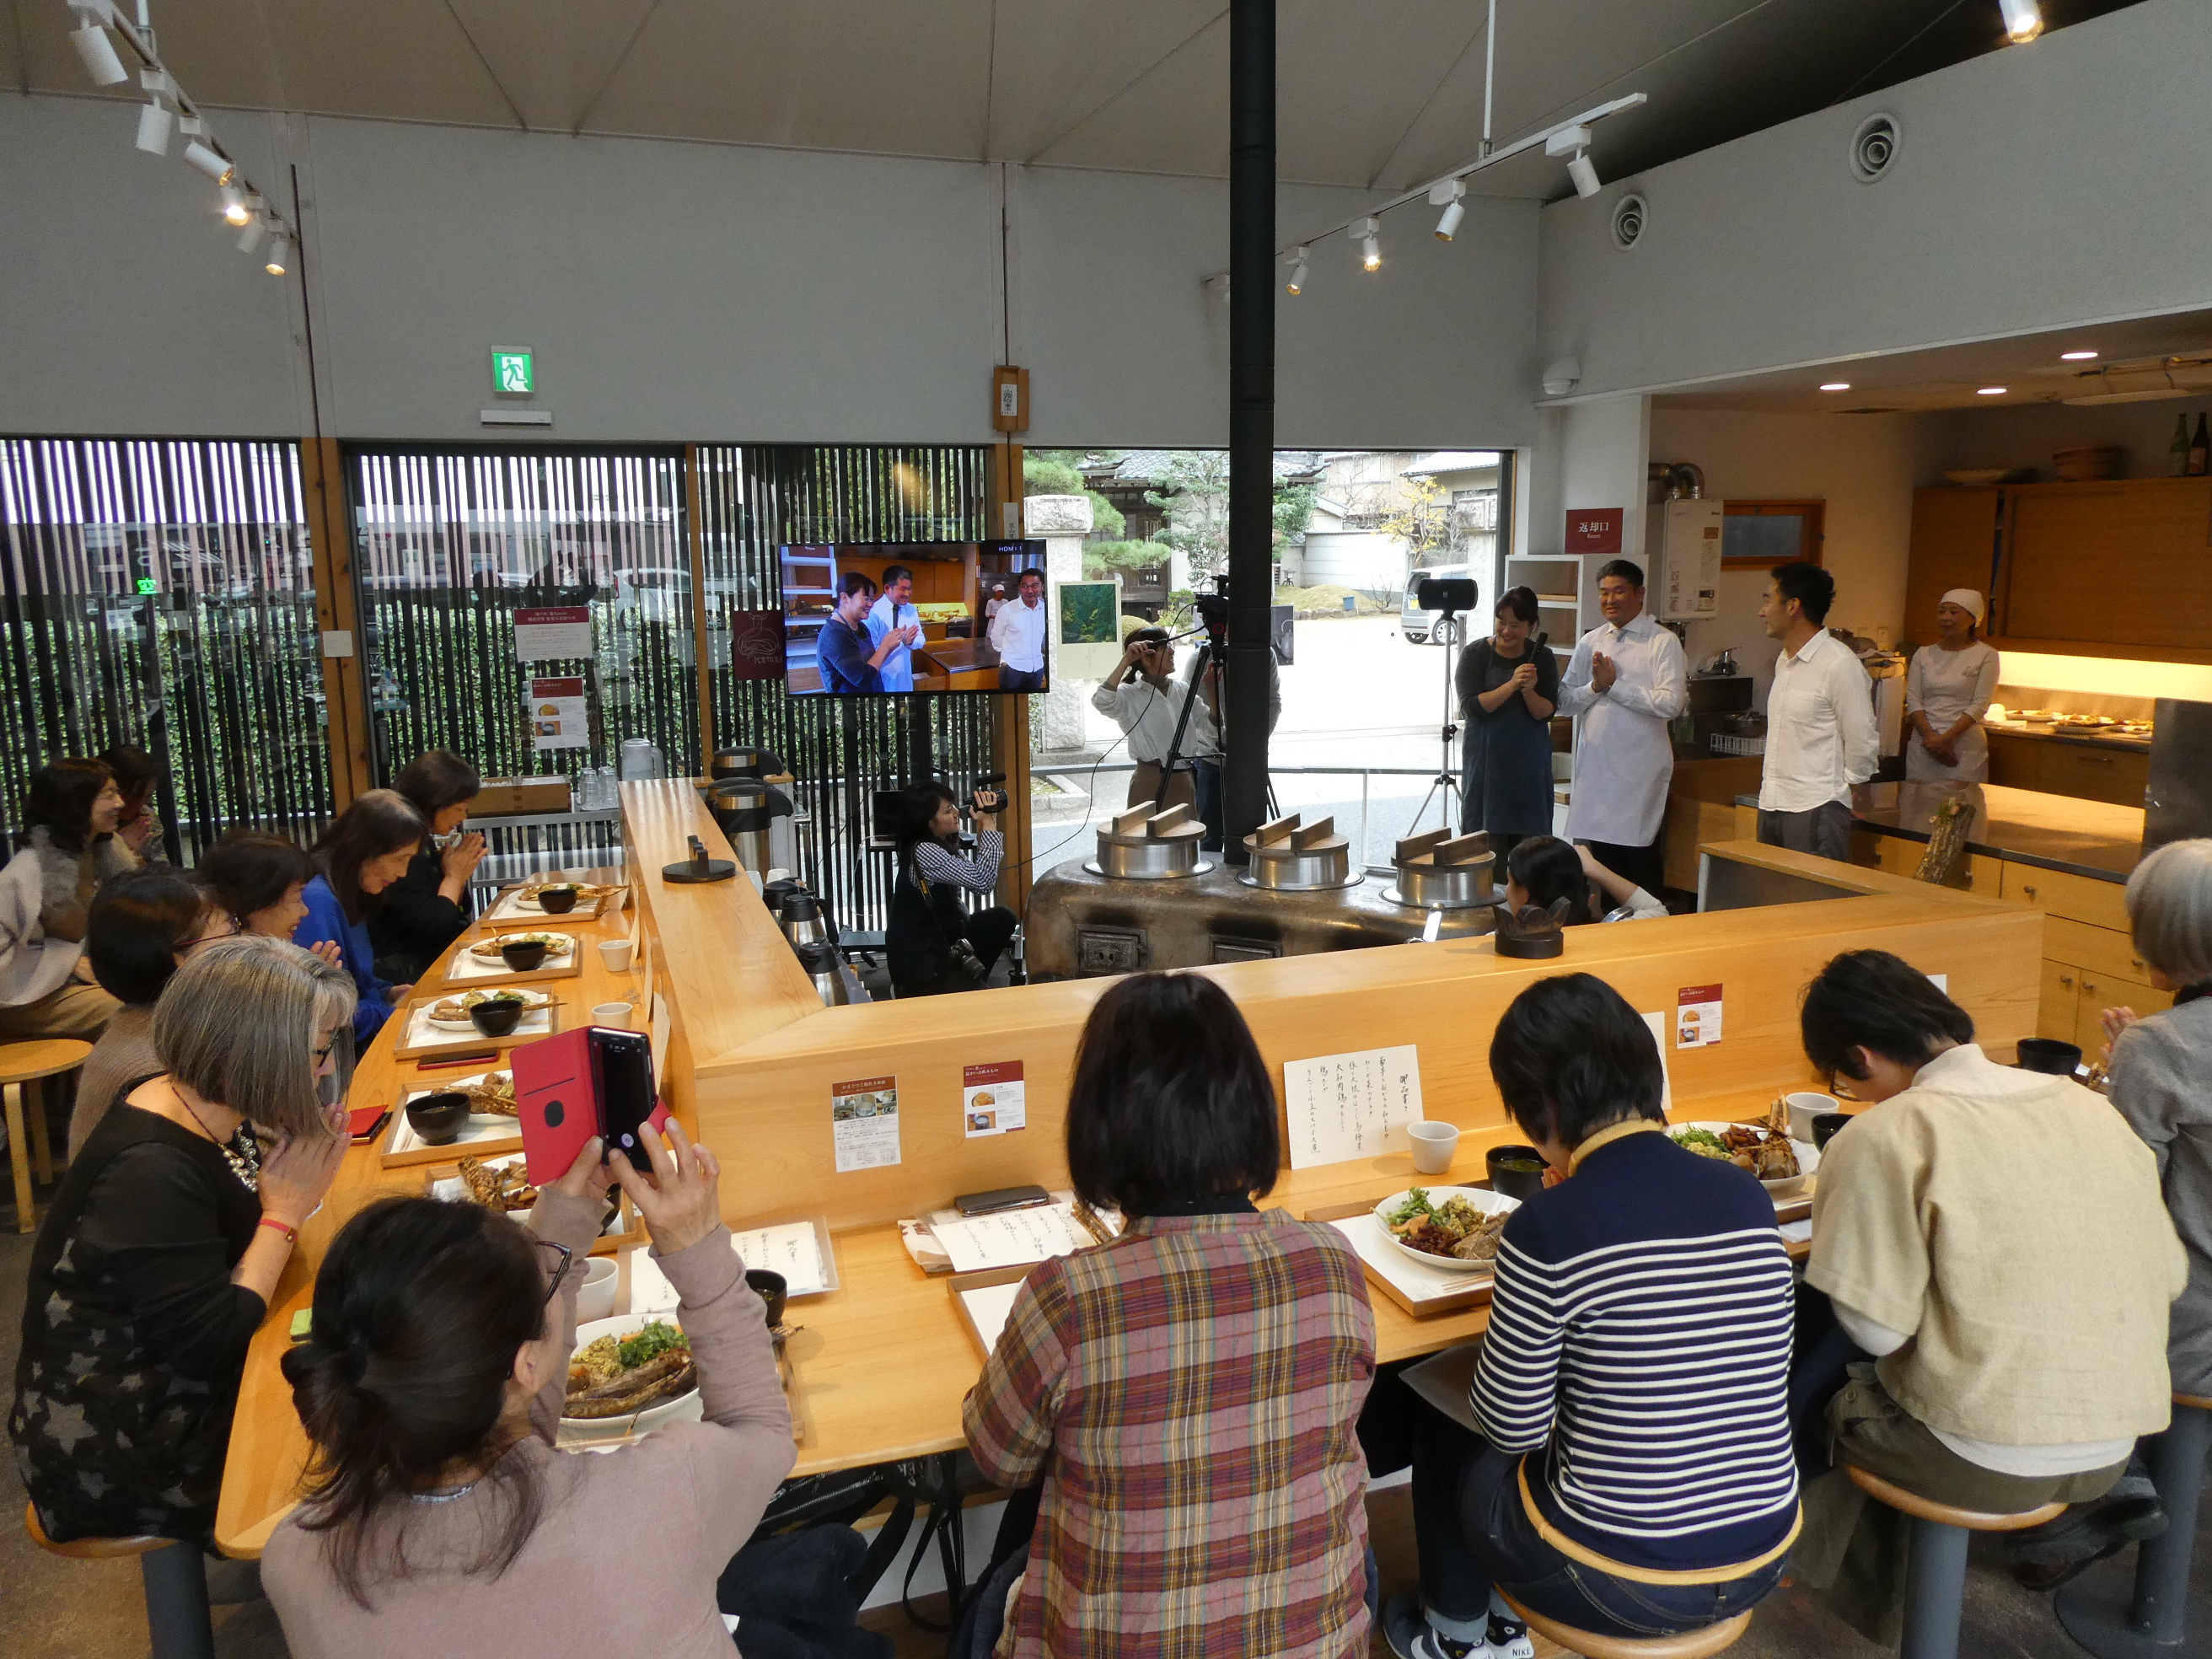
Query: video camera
(1213, 611)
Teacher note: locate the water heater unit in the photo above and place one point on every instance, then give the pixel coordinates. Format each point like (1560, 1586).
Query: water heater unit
(1684, 545)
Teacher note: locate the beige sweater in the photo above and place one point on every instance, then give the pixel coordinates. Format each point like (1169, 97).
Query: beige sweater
(630, 1542)
(2020, 1239)
(124, 1054)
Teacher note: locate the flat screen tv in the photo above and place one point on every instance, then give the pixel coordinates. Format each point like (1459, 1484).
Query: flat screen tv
(972, 617)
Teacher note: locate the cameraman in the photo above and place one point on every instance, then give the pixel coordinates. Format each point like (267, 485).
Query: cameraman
(1143, 698)
(935, 946)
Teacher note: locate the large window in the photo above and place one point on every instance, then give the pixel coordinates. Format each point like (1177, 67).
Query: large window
(161, 593)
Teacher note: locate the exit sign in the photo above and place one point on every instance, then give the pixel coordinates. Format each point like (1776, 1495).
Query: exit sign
(1593, 530)
(147, 584)
(511, 375)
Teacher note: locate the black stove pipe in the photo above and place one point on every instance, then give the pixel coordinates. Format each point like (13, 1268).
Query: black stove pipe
(1251, 414)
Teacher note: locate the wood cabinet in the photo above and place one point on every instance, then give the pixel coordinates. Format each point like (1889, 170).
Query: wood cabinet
(2117, 776)
(2095, 567)
(2089, 961)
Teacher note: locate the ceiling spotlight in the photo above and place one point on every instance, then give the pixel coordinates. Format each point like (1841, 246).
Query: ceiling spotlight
(2075, 357)
(1835, 386)
(1298, 283)
(250, 238)
(2023, 21)
(207, 161)
(234, 205)
(1562, 376)
(1450, 194)
(1989, 391)
(154, 124)
(1368, 231)
(278, 247)
(1584, 172)
(98, 52)
(1573, 141)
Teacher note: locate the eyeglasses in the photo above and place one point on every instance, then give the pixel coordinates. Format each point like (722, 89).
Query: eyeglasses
(560, 1271)
(232, 932)
(323, 1055)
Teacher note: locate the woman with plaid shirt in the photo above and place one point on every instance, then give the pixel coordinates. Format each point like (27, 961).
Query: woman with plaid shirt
(1188, 1393)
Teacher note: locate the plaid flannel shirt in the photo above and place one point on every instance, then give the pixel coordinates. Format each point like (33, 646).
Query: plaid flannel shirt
(1188, 1394)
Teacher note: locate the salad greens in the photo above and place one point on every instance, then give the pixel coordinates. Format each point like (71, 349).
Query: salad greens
(1417, 1203)
(1702, 1142)
(653, 1340)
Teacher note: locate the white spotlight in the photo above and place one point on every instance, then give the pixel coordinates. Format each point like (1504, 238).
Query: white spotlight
(1584, 172)
(2023, 21)
(234, 205)
(1367, 232)
(207, 161)
(1448, 195)
(250, 238)
(279, 247)
(1298, 283)
(154, 123)
(98, 52)
(1562, 376)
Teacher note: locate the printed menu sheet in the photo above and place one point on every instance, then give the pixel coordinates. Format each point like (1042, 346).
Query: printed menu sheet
(991, 1099)
(1347, 1106)
(794, 1250)
(864, 1122)
(1011, 1238)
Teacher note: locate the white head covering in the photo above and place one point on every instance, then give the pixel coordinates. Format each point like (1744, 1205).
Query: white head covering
(1966, 600)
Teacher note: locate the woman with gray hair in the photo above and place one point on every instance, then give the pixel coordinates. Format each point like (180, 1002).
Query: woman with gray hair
(2161, 1076)
(156, 1263)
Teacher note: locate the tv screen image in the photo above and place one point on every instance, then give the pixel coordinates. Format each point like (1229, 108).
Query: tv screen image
(886, 618)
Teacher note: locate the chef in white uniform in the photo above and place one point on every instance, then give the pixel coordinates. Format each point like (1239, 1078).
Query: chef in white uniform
(1948, 689)
(1625, 682)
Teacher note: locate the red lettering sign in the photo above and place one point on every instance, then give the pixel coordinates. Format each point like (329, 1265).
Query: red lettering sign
(1593, 530)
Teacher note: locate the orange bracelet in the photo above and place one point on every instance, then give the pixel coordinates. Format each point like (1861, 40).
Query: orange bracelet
(291, 1234)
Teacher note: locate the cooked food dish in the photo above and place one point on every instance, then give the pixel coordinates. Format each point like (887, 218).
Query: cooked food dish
(588, 893)
(1456, 1228)
(492, 1096)
(615, 1375)
(498, 1187)
(454, 1011)
(1765, 1153)
(556, 945)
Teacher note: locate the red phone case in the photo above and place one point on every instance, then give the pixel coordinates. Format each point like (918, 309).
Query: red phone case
(557, 1101)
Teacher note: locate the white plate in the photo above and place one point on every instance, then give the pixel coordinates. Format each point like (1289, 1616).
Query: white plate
(686, 1407)
(531, 1000)
(564, 945)
(1809, 1158)
(1482, 1197)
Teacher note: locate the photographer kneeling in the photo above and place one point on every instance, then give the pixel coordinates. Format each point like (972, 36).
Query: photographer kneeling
(934, 945)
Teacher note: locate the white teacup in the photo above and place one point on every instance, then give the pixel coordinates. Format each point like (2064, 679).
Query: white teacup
(1804, 1107)
(612, 1013)
(615, 953)
(1433, 1144)
(595, 1296)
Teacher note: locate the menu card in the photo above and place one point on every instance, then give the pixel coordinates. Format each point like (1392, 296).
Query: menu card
(1343, 1107)
(1011, 1238)
(794, 1250)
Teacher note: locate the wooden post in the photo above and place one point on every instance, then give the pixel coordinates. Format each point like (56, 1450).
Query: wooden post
(345, 690)
(701, 667)
(1010, 720)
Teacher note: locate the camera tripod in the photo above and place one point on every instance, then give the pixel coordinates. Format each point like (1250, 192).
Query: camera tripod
(1210, 650)
(1447, 778)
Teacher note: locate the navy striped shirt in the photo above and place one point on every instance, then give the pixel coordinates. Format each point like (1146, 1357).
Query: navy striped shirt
(1639, 1346)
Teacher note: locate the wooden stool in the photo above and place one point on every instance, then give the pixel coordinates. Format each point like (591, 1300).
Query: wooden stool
(1690, 1644)
(176, 1584)
(2114, 1622)
(28, 1062)
(1935, 1571)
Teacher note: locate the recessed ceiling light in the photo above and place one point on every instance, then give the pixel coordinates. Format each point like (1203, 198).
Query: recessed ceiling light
(1989, 391)
(1835, 386)
(2075, 357)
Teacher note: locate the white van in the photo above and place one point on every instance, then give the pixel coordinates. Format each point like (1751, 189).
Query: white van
(1430, 627)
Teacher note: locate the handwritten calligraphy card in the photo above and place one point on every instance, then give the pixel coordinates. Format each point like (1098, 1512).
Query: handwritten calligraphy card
(1343, 1107)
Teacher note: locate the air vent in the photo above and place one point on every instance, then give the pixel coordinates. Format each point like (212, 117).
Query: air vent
(1874, 147)
(1629, 216)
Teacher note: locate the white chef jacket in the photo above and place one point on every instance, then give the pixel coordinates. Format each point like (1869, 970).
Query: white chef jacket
(1149, 715)
(1204, 739)
(1820, 737)
(1943, 685)
(1623, 757)
(897, 668)
(1018, 635)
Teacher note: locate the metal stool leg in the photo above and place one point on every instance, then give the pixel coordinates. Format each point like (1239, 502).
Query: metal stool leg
(177, 1615)
(2177, 1469)
(1935, 1590)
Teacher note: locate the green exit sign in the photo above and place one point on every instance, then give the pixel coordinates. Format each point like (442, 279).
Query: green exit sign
(148, 585)
(511, 373)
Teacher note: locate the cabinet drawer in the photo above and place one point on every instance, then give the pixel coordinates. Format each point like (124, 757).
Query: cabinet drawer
(2077, 898)
(2093, 949)
(2103, 991)
(2058, 1000)
(2117, 776)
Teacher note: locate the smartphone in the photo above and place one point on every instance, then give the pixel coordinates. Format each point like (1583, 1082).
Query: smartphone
(364, 1122)
(1004, 1198)
(629, 1109)
(594, 1081)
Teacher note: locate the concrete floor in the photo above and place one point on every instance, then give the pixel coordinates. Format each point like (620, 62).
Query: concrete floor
(55, 1608)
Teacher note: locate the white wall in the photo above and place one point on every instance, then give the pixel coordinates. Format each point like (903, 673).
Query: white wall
(677, 291)
(2035, 187)
(1862, 466)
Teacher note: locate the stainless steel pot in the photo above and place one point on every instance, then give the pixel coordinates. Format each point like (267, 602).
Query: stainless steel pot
(1288, 857)
(1143, 845)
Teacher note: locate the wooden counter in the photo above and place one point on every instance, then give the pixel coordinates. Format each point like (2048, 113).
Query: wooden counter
(885, 1360)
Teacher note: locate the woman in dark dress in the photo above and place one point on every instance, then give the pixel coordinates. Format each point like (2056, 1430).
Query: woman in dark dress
(1508, 687)
(930, 922)
(428, 908)
(156, 1263)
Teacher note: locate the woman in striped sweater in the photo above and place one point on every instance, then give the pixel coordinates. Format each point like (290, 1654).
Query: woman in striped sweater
(1629, 1472)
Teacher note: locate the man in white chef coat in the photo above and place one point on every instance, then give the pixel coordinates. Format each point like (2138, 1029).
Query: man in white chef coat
(1626, 680)
(1822, 741)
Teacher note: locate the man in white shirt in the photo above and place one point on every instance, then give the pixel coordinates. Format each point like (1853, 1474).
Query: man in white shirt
(1143, 698)
(1625, 682)
(1018, 635)
(891, 610)
(1820, 737)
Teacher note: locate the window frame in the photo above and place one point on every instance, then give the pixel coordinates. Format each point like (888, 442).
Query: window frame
(1811, 542)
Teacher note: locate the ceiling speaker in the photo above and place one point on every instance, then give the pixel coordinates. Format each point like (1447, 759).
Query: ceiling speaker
(1629, 216)
(1874, 147)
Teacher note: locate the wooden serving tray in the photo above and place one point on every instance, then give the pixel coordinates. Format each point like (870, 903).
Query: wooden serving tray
(460, 975)
(986, 1279)
(1420, 1305)
(425, 1042)
(504, 913)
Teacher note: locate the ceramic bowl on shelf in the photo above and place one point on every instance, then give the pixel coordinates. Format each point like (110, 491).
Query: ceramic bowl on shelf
(1979, 476)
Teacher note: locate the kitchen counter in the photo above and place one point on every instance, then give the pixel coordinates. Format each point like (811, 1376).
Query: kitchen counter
(2135, 743)
(2090, 838)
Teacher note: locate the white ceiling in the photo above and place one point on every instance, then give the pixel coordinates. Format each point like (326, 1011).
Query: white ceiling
(2028, 366)
(1382, 94)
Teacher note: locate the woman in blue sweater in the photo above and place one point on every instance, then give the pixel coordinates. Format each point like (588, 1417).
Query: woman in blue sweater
(363, 853)
(1629, 1472)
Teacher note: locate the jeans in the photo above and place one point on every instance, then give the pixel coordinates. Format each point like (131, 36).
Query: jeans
(1824, 831)
(1472, 1533)
(1018, 679)
(1208, 807)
